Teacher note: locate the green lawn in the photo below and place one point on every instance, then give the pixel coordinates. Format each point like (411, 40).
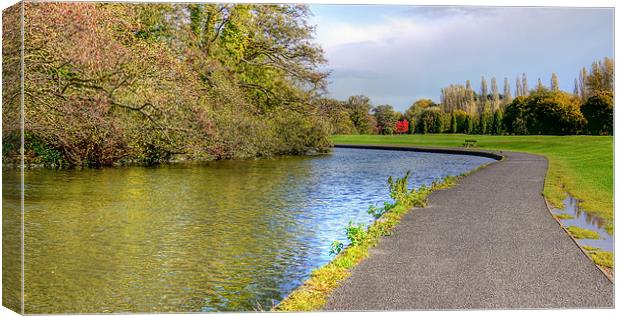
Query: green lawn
(579, 165)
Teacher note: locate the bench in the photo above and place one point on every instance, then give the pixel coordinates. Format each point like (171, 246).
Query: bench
(469, 143)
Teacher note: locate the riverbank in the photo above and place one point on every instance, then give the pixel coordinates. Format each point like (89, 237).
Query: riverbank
(176, 160)
(488, 243)
(579, 165)
(313, 294)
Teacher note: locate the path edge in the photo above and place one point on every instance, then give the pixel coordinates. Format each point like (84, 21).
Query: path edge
(585, 253)
(497, 155)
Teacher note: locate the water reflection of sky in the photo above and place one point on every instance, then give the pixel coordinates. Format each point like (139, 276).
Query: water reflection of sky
(588, 221)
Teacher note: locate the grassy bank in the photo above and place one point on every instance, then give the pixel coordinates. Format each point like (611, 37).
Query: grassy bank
(313, 294)
(579, 165)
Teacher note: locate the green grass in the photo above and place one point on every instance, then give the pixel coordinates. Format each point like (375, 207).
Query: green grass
(579, 165)
(582, 233)
(590, 248)
(603, 258)
(313, 294)
(564, 216)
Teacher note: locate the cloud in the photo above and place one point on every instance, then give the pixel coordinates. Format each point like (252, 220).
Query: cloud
(397, 54)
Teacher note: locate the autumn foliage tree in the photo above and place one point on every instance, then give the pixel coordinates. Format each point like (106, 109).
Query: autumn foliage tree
(402, 127)
(147, 82)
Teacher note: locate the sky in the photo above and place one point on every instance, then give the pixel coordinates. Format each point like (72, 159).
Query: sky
(398, 54)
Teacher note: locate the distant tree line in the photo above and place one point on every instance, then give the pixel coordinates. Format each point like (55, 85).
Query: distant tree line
(542, 110)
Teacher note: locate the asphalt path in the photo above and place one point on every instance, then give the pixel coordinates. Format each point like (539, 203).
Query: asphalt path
(488, 243)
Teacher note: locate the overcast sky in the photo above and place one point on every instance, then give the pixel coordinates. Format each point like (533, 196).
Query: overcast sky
(398, 54)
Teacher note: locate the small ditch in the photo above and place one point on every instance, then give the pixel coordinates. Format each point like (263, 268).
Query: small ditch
(587, 221)
(572, 215)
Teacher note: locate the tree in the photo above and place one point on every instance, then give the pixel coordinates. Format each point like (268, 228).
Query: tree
(431, 120)
(525, 88)
(601, 77)
(518, 88)
(469, 125)
(545, 112)
(485, 122)
(483, 92)
(417, 107)
(461, 121)
(402, 126)
(497, 128)
(336, 115)
(495, 101)
(576, 88)
(453, 124)
(554, 83)
(424, 127)
(539, 85)
(386, 118)
(583, 74)
(599, 113)
(359, 107)
(454, 97)
(111, 82)
(470, 99)
(507, 96)
(439, 125)
(515, 116)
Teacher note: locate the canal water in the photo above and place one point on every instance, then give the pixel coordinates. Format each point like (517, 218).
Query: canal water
(219, 236)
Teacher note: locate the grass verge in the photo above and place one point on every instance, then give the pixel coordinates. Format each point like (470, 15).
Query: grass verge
(590, 248)
(582, 233)
(602, 258)
(564, 216)
(579, 165)
(313, 294)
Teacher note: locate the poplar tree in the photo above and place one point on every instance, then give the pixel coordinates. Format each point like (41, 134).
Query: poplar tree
(483, 93)
(583, 74)
(518, 88)
(576, 88)
(525, 89)
(453, 124)
(470, 99)
(554, 82)
(497, 123)
(539, 85)
(469, 124)
(495, 94)
(601, 77)
(507, 95)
